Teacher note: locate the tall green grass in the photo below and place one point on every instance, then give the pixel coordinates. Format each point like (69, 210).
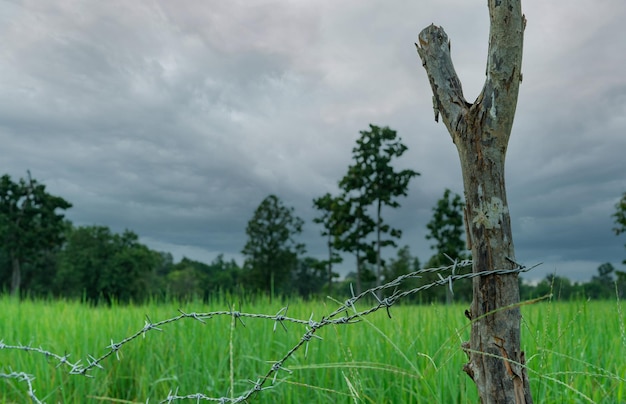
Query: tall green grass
(576, 353)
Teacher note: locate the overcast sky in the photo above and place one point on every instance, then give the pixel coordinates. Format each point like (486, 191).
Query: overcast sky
(175, 119)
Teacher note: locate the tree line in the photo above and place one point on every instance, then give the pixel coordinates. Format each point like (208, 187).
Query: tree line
(44, 254)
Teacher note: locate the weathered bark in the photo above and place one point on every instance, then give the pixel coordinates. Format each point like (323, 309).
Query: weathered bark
(481, 132)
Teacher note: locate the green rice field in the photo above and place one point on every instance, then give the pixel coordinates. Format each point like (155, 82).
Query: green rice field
(576, 353)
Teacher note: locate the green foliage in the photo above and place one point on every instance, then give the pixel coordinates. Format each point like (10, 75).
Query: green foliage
(560, 287)
(404, 263)
(621, 283)
(329, 208)
(603, 284)
(184, 283)
(94, 264)
(601, 287)
(354, 227)
(620, 215)
(191, 278)
(309, 277)
(29, 223)
(620, 218)
(99, 265)
(271, 249)
(446, 228)
(372, 181)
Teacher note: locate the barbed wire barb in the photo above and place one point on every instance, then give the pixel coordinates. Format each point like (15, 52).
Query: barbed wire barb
(236, 314)
(192, 315)
(280, 318)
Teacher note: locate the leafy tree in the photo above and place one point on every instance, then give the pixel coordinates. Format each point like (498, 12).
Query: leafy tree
(271, 249)
(605, 274)
(367, 279)
(354, 225)
(402, 264)
(125, 278)
(446, 228)
(559, 286)
(620, 217)
(165, 263)
(224, 276)
(329, 209)
(374, 182)
(602, 285)
(185, 282)
(156, 279)
(193, 278)
(526, 289)
(97, 265)
(82, 260)
(29, 223)
(309, 276)
(621, 284)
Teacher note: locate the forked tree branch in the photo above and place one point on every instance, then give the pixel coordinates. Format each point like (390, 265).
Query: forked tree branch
(494, 108)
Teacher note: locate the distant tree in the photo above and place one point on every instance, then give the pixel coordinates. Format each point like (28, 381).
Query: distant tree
(605, 273)
(329, 208)
(620, 218)
(402, 264)
(309, 277)
(346, 287)
(559, 286)
(37, 272)
(446, 228)
(543, 288)
(271, 250)
(563, 288)
(125, 278)
(354, 227)
(204, 280)
(84, 257)
(165, 263)
(374, 182)
(621, 284)
(156, 279)
(602, 286)
(526, 289)
(225, 276)
(184, 282)
(29, 223)
(101, 266)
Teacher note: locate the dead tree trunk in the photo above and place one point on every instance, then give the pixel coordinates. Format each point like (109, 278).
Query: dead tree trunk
(481, 133)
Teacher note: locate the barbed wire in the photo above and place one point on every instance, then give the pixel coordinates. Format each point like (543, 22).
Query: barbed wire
(348, 310)
(23, 377)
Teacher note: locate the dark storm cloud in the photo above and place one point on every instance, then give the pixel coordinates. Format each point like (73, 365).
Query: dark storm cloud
(175, 119)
